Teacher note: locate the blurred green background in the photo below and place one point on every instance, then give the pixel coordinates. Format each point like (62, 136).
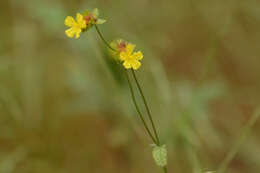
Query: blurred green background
(66, 108)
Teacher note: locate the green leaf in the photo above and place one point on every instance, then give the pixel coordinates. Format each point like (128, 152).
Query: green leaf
(100, 21)
(160, 155)
(95, 13)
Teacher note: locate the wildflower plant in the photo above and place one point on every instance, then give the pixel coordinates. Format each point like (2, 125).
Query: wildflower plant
(124, 54)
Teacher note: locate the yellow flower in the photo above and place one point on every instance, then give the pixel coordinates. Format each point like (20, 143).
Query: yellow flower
(82, 23)
(118, 46)
(130, 59)
(76, 26)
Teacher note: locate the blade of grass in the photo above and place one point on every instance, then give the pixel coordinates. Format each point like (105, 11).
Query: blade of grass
(234, 150)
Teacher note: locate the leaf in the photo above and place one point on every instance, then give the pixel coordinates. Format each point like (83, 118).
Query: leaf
(95, 13)
(100, 21)
(160, 155)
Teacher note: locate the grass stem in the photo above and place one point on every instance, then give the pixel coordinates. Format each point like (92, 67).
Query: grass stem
(245, 131)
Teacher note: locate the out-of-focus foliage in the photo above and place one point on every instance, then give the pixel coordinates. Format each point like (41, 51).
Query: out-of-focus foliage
(65, 106)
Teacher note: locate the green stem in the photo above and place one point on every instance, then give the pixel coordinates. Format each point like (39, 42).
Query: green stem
(223, 166)
(131, 88)
(165, 169)
(148, 112)
(156, 141)
(137, 108)
(147, 108)
(141, 116)
(103, 39)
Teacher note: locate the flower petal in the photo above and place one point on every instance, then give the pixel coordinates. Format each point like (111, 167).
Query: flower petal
(135, 64)
(123, 56)
(77, 32)
(70, 32)
(69, 21)
(80, 20)
(130, 48)
(127, 64)
(79, 17)
(138, 55)
(83, 24)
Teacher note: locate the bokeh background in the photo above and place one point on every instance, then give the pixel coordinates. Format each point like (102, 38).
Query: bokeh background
(65, 107)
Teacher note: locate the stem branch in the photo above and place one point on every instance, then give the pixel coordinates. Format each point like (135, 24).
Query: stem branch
(103, 39)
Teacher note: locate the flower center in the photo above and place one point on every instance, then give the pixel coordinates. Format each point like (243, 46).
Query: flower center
(88, 19)
(122, 46)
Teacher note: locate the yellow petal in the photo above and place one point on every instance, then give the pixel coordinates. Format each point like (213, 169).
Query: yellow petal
(136, 64)
(82, 24)
(70, 32)
(127, 65)
(69, 21)
(130, 48)
(78, 31)
(138, 55)
(80, 20)
(123, 56)
(79, 17)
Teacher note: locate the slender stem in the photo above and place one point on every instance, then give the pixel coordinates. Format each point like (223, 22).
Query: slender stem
(140, 114)
(131, 88)
(103, 39)
(155, 140)
(223, 166)
(137, 108)
(148, 112)
(165, 169)
(147, 108)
